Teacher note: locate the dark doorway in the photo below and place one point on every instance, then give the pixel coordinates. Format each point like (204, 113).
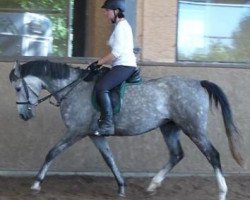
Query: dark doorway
(79, 28)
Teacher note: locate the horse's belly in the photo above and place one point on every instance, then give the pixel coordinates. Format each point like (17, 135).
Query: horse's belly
(138, 123)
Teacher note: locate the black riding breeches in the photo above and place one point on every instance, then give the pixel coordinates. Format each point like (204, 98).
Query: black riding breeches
(114, 77)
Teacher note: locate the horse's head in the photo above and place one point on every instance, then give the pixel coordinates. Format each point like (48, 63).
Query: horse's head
(27, 91)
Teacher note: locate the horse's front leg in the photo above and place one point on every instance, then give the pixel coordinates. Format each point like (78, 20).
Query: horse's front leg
(60, 147)
(103, 146)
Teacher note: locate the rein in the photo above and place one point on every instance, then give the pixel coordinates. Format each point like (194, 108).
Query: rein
(75, 83)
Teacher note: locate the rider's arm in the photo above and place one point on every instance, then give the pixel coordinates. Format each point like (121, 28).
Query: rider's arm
(106, 59)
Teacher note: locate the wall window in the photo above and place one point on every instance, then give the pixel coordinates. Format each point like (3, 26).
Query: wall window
(214, 31)
(52, 27)
(34, 28)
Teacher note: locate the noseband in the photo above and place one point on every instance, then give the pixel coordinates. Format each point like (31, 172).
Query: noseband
(26, 90)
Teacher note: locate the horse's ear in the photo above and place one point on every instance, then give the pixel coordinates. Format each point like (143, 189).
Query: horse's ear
(17, 69)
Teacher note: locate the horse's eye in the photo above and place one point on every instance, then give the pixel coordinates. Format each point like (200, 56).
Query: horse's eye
(18, 89)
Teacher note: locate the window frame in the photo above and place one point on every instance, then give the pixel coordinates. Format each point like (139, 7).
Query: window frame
(178, 51)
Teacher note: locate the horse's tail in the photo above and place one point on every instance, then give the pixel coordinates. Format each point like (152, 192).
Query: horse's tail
(215, 93)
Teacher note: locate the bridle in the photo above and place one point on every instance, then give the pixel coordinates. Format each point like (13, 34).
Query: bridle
(27, 88)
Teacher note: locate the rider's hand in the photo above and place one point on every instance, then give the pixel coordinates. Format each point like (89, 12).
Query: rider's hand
(94, 66)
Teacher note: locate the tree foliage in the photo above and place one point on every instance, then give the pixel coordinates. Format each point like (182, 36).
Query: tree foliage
(237, 51)
(55, 10)
(241, 41)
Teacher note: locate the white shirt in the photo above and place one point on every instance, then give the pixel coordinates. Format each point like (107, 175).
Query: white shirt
(122, 45)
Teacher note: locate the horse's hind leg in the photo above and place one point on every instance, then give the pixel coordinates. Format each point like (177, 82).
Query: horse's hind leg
(103, 146)
(62, 145)
(171, 136)
(213, 157)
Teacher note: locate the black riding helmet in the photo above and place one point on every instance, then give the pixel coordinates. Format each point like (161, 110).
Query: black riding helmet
(114, 5)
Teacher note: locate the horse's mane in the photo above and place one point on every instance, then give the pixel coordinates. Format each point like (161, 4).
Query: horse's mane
(45, 68)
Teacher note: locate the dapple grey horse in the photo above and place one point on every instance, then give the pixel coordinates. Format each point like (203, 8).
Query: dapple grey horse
(171, 103)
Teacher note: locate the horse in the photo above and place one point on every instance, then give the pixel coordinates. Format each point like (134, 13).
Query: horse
(171, 103)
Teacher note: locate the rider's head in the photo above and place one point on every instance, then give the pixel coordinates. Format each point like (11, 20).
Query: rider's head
(114, 9)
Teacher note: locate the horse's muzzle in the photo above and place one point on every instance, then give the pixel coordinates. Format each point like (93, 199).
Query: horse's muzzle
(23, 117)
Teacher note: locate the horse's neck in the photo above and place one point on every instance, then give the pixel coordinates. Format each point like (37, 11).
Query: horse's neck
(55, 85)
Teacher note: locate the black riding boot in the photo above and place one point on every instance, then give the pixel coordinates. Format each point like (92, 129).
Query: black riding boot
(106, 125)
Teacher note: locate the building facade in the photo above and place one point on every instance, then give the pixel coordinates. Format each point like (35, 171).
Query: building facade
(179, 31)
(154, 29)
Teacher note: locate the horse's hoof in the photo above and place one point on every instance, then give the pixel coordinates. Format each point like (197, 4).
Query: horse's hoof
(222, 195)
(151, 193)
(152, 188)
(35, 188)
(122, 195)
(121, 192)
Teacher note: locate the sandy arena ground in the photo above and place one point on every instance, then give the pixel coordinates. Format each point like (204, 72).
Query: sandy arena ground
(104, 188)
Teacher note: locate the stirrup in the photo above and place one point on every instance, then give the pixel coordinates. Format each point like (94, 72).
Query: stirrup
(97, 133)
(104, 131)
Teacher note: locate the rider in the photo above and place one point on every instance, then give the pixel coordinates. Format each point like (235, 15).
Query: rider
(123, 61)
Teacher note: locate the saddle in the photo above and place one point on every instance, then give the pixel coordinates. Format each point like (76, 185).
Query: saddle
(117, 93)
